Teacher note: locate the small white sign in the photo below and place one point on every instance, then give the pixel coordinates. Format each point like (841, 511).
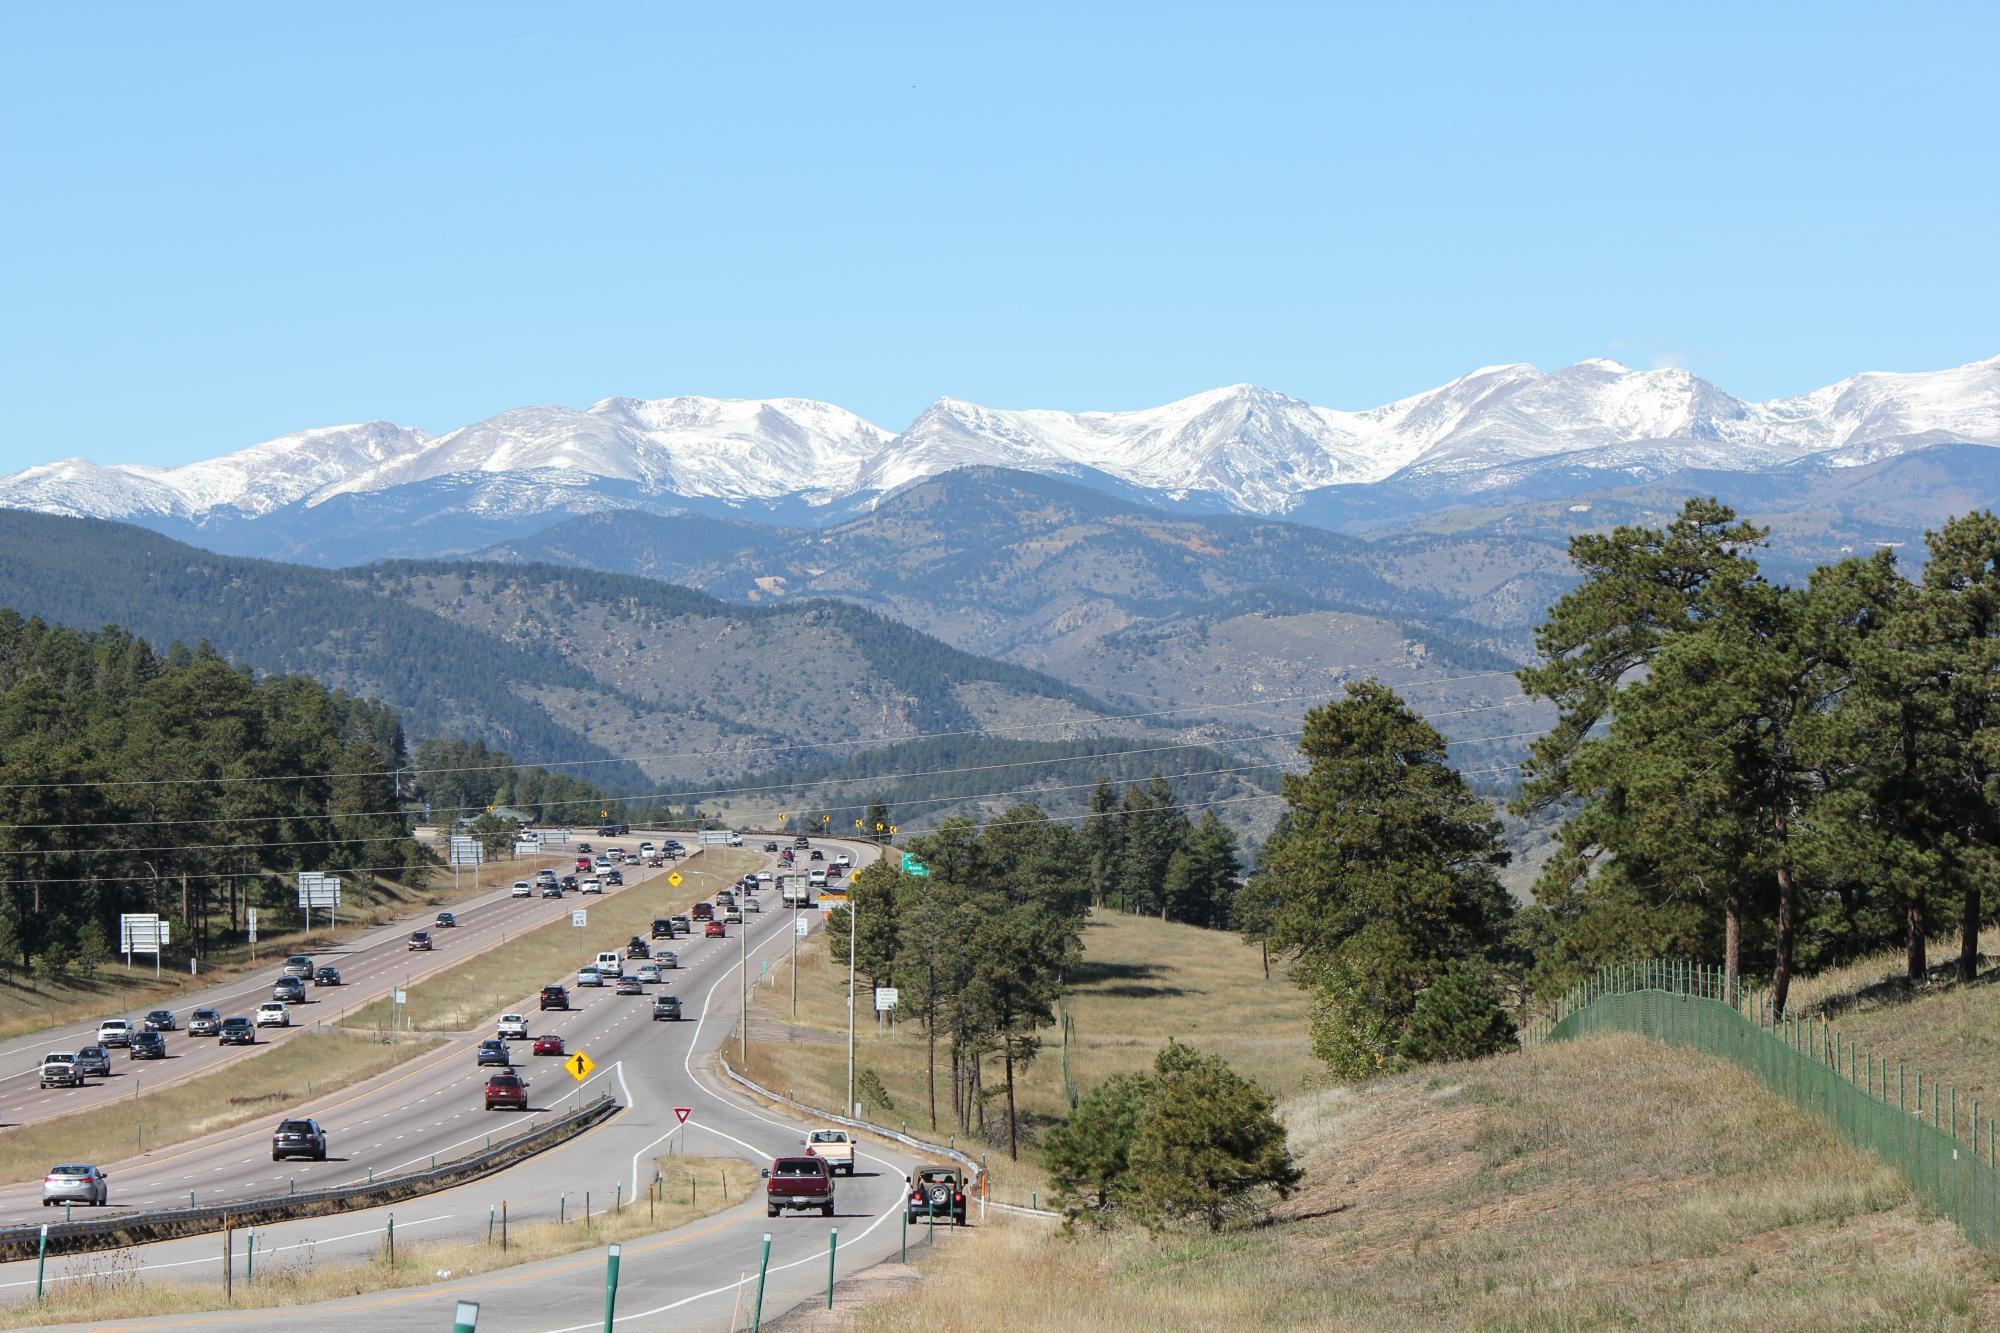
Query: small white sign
(803, 926)
(579, 918)
(885, 998)
(402, 996)
(251, 914)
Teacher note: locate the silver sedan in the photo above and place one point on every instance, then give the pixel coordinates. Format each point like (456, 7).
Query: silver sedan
(75, 1184)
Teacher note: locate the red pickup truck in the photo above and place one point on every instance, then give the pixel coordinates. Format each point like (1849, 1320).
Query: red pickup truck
(798, 1182)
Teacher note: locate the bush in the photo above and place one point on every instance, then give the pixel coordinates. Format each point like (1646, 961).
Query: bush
(1087, 1150)
(1207, 1147)
(1356, 1039)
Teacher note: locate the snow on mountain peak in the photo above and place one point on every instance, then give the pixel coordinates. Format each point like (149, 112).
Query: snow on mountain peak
(1256, 449)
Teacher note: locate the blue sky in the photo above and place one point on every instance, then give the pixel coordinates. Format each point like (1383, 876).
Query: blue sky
(225, 223)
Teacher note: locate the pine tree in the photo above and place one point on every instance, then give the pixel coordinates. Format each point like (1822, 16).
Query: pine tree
(1207, 1147)
(1087, 1150)
(1457, 1018)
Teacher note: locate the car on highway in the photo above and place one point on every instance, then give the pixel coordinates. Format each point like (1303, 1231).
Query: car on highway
(704, 911)
(115, 1032)
(204, 1023)
(589, 976)
(601, 864)
(714, 931)
(147, 1046)
(583, 865)
(521, 889)
(732, 915)
(647, 848)
(630, 986)
(936, 1191)
(615, 878)
(638, 948)
(552, 890)
(683, 925)
(93, 1060)
(513, 1027)
(549, 1044)
(298, 1138)
(798, 1183)
(666, 958)
(593, 885)
(289, 989)
(160, 1020)
(446, 920)
(270, 1014)
(493, 1051)
(843, 860)
(816, 855)
(802, 842)
(555, 997)
(327, 975)
(816, 879)
(75, 1183)
(770, 846)
(237, 1030)
(734, 840)
(610, 963)
(60, 1070)
(752, 905)
(508, 1090)
(421, 940)
(649, 972)
(298, 965)
(663, 928)
(667, 1008)
(786, 856)
(765, 877)
(833, 1147)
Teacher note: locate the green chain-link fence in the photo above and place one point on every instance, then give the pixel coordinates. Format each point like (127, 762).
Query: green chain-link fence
(1920, 1127)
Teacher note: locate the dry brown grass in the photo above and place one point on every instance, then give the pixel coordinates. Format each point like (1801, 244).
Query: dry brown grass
(114, 1291)
(1606, 1183)
(507, 977)
(264, 1087)
(1141, 982)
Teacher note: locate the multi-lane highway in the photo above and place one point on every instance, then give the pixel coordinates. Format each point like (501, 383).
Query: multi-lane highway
(432, 1105)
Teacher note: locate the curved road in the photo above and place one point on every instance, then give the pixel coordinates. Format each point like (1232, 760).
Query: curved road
(684, 1279)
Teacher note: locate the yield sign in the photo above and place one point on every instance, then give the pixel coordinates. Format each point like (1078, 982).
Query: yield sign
(681, 1113)
(579, 1066)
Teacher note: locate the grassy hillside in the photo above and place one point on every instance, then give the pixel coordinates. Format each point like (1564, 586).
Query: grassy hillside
(1141, 982)
(1604, 1184)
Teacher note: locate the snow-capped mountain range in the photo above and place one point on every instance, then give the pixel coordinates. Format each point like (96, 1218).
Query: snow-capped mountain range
(1241, 447)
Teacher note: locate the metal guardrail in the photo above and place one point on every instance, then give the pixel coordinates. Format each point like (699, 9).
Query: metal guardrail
(20, 1242)
(883, 1131)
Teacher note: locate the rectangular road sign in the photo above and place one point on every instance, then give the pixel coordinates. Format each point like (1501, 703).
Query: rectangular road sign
(579, 1066)
(803, 926)
(140, 932)
(250, 914)
(318, 891)
(885, 998)
(913, 866)
(466, 852)
(579, 918)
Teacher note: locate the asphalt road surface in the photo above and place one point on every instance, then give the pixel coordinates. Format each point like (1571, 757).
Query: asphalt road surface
(688, 1278)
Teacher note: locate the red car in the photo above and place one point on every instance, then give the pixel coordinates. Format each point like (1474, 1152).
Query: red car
(509, 1090)
(714, 931)
(548, 1044)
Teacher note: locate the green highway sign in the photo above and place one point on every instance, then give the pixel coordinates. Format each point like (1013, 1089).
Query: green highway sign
(912, 866)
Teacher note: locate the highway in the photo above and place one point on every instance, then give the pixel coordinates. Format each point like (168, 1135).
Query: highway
(371, 965)
(686, 1279)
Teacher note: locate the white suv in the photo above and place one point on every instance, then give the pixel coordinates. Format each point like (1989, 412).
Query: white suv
(521, 889)
(593, 886)
(514, 1026)
(273, 1014)
(115, 1032)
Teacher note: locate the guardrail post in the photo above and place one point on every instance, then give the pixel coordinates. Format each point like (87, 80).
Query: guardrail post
(66, 1208)
(228, 1263)
(42, 1254)
(190, 1198)
(492, 1214)
(465, 1319)
(562, 1208)
(832, 1249)
(905, 1210)
(586, 1210)
(503, 1226)
(610, 1286)
(618, 1198)
(392, 1240)
(250, 1258)
(763, 1267)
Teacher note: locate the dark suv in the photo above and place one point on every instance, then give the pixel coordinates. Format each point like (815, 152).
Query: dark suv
(555, 997)
(237, 1030)
(298, 1138)
(509, 1090)
(148, 1046)
(667, 1008)
(663, 928)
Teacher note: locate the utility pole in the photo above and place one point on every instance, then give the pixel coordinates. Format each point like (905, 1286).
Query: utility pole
(795, 952)
(850, 1006)
(743, 1033)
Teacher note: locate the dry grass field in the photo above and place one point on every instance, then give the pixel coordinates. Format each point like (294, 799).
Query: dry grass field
(1610, 1183)
(1141, 982)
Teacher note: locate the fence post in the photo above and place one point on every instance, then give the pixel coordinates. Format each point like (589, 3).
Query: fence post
(465, 1319)
(832, 1249)
(610, 1286)
(763, 1267)
(392, 1240)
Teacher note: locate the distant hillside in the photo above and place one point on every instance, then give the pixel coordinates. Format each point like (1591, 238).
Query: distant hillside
(550, 663)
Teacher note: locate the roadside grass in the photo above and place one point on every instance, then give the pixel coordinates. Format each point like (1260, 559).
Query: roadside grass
(115, 1291)
(1140, 982)
(266, 1086)
(1605, 1183)
(1881, 978)
(508, 976)
(26, 1008)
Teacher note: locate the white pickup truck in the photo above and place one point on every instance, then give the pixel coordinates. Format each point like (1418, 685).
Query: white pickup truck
(513, 1027)
(60, 1070)
(833, 1147)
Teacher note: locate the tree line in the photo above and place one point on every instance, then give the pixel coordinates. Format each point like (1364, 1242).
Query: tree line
(174, 783)
(1146, 856)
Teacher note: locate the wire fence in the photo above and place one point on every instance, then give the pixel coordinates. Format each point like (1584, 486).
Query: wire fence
(1940, 1144)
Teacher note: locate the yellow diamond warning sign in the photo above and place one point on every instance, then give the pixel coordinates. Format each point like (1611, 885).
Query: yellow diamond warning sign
(579, 1066)
(674, 878)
